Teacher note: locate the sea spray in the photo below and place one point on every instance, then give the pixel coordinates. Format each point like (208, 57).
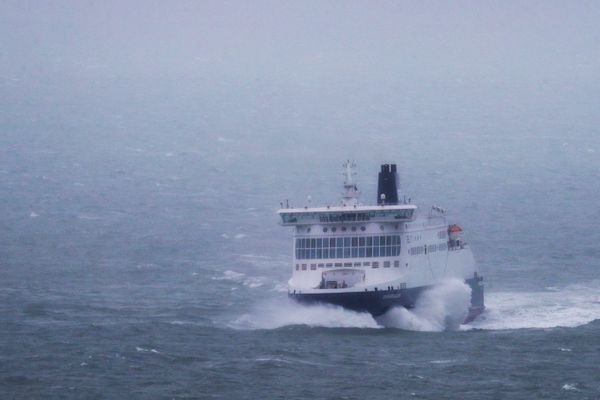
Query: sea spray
(443, 307)
(440, 308)
(277, 313)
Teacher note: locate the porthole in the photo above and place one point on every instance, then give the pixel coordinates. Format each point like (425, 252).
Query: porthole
(324, 229)
(362, 228)
(343, 229)
(307, 230)
(381, 227)
(353, 229)
(333, 229)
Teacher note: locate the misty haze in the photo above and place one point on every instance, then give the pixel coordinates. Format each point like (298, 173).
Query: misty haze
(145, 148)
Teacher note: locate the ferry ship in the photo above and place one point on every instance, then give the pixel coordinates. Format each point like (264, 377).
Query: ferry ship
(375, 257)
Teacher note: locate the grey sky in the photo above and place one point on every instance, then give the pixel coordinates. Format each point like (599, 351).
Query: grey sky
(313, 40)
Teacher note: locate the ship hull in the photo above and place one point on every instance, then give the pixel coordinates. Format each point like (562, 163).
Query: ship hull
(378, 302)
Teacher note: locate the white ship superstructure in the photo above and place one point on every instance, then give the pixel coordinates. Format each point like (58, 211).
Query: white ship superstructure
(373, 257)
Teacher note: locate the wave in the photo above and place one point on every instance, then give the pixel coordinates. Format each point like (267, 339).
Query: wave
(572, 306)
(277, 314)
(146, 350)
(241, 278)
(438, 309)
(442, 308)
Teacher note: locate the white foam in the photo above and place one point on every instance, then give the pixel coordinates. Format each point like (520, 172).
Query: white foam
(279, 287)
(285, 312)
(262, 261)
(252, 256)
(254, 282)
(144, 350)
(571, 306)
(240, 236)
(570, 387)
(441, 308)
(230, 276)
(88, 217)
(241, 278)
(285, 360)
(33, 214)
(438, 309)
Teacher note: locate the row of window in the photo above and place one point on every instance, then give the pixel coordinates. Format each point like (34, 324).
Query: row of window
(344, 216)
(348, 247)
(374, 264)
(308, 243)
(431, 248)
(344, 228)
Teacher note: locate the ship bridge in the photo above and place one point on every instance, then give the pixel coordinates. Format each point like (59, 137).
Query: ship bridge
(346, 214)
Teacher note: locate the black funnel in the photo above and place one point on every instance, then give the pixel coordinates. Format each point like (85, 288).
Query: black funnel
(388, 185)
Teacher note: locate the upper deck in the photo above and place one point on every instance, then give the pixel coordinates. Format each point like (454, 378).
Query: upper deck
(346, 214)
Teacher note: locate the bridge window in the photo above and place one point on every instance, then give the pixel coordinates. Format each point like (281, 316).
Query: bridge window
(352, 247)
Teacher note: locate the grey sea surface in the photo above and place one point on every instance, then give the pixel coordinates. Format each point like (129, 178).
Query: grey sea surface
(141, 166)
(148, 267)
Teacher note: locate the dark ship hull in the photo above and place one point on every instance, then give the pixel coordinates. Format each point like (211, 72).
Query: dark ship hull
(378, 302)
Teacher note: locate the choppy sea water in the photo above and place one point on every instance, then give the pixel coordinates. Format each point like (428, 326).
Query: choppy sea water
(141, 256)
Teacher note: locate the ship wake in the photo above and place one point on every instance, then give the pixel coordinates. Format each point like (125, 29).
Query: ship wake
(571, 306)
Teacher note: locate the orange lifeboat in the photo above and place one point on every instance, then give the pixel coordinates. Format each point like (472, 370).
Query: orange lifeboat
(454, 229)
(454, 232)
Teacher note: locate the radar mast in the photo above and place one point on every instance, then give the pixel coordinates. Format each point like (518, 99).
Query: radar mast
(351, 193)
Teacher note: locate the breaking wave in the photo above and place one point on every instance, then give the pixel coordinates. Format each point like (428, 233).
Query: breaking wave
(277, 314)
(441, 308)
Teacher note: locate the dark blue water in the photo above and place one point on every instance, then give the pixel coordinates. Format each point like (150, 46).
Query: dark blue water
(140, 255)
